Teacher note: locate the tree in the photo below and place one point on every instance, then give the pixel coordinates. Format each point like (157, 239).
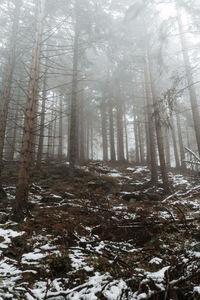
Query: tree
(22, 189)
(8, 79)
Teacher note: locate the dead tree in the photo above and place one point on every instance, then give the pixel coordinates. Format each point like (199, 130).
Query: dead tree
(22, 189)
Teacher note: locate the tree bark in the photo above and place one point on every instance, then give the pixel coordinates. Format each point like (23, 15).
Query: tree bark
(158, 127)
(104, 129)
(152, 145)
(190, 81)
(176, 156)
(180, 138)
(8, 81)
(135, 128)
(111, 132)
(60, 144)
(42, 120)
(73, 145)
(120, 134)
(22, 189)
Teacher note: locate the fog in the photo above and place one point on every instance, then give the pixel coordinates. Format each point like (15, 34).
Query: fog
(100, 80)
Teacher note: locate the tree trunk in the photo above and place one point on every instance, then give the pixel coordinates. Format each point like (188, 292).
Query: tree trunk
(158, 127)
(22, 189)
(50, 136)
(104, 130)
(60, 144)
(167, 148)
(111, 132)
(8, 81)
(135, 128)
(175, 145)
(14, 132)
(82, 130)
(152, 146)
(141, 144)
(42, 120)
(91, 143)
(190, 81)
(73, 145)
(180, 139)
(126, 134)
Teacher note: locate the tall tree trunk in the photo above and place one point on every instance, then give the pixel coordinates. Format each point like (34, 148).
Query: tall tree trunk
(22, 189)
(176, 156)
(91, 143)
(180, 139)
(152, 146)
(141, 144)
(50, 136)
(126, 133)
(82, 130)
(120, 133)
(60, 144)
(111, 132)
(73, 145)
(54, 137)
(15, 129)
(104, 130)
(88, 140)
(8, 81)
(42, 120)
(167, 148)
(135, 128)
(189, 76)
(158, 127)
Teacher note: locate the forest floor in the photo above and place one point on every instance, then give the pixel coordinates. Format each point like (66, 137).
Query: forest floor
(105, 234)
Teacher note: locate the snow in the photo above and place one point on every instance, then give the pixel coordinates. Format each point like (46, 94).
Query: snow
(197, 289)
(156, 260)
(159, 275)
(114, 290)
(77, 259)
(7, 234)
(32, 257)
(113, 174)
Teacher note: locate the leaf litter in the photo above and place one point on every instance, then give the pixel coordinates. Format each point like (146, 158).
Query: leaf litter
(87, 240)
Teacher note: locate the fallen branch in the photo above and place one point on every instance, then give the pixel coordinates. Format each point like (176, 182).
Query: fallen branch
(193, 154)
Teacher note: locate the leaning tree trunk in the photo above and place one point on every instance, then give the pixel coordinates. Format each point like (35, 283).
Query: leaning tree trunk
(8, 81)
(22, 189)
(190, 81)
